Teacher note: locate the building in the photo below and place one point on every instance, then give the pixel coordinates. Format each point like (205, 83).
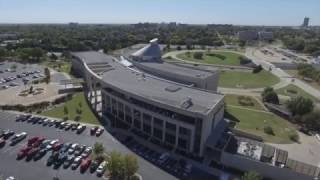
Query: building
(265, 36)
(247, 35)
(174, 115)
(305, 23)
(270, 162)
(159, 110)
(148, 59)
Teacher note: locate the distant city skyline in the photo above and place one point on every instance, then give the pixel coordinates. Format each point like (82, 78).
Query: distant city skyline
(246, 12)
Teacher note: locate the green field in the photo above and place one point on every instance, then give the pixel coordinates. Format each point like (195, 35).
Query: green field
(251, 121)
(86, 116)
(235, 79)
(233, 100)
(294, 91)
(214, 57)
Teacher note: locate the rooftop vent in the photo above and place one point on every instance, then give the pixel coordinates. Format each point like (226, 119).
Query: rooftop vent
(187, 103)
(172, 88)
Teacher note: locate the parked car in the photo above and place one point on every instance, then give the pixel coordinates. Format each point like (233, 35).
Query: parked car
(23, 152)
(86, 152)
(17, 138)
(40, 154)
(6, 134)
(102, 167)
(94, 166)
(68, 161)
(32, 152)
(85, 163)
(2, 142)
(73, 148)
(99, 132)
(93, 130)
(76, 163)
(80, 129)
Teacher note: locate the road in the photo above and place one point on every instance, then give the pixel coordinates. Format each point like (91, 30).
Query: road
(284, 77)
(38, 169)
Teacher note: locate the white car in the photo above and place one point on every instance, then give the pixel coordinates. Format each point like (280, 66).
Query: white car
(11, 178)
(318, 137)
(101, 168)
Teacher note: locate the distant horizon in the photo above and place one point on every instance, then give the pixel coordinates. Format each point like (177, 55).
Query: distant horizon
(235, 12)
(67, 23)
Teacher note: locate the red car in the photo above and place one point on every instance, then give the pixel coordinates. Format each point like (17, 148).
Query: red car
(38, 142)
(32, 140)
(93, 130)
(23, 152)
(32, 152)
(85, 164)
(57, 146)
(2, 142)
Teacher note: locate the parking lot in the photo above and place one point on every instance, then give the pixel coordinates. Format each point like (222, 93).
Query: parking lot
(30, 170)
(14, 74)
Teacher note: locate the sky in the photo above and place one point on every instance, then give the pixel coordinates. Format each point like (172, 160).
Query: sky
(238, 12)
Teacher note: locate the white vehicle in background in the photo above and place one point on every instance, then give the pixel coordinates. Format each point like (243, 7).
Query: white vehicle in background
(318, 137)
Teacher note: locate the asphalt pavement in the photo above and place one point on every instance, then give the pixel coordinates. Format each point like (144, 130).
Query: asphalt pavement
(34, 170)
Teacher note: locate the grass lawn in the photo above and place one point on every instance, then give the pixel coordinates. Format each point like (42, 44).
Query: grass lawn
(214, 57)
(294, 91)
(296, 74)
(254, 122)
(61, 66)
(233, 100)
(86, 116)
(235, 79)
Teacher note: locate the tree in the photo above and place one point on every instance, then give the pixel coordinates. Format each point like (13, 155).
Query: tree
(300, 106)
(65, 110)
(312, 120)
(131, 165)
(47, 74)
(257, 69)
(98, 148)
(115, 164)
(268, 130)
(251, 175)
(198, 55)
(3, 52)
(270, 96)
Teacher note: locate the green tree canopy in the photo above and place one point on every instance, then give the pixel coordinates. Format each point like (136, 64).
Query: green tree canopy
(251, 175)
(300, 106)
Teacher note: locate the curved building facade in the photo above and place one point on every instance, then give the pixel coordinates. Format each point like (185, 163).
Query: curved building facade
(157, 109)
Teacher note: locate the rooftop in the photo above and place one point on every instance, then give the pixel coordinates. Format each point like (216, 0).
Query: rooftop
(152, 88)
(93, 57)
(172, 68)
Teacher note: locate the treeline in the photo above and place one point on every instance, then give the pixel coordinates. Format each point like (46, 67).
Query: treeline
(308, 71)
(306, 41)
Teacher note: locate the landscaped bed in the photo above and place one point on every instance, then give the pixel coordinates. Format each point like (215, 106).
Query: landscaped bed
(213, 57)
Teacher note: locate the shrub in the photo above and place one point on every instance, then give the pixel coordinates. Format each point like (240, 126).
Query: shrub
(198, 55)
(268, 130)
(294, 136)
(257, 69)
(245, 101)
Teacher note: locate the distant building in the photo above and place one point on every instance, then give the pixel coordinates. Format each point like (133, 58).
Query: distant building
(305, 22)
(255, 35)
(247, 35)
(265, 36)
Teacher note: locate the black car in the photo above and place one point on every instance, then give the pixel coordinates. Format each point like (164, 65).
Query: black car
(94, 165)
(68, 161)
(6, 134)
(53, 157)
(40, 154)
